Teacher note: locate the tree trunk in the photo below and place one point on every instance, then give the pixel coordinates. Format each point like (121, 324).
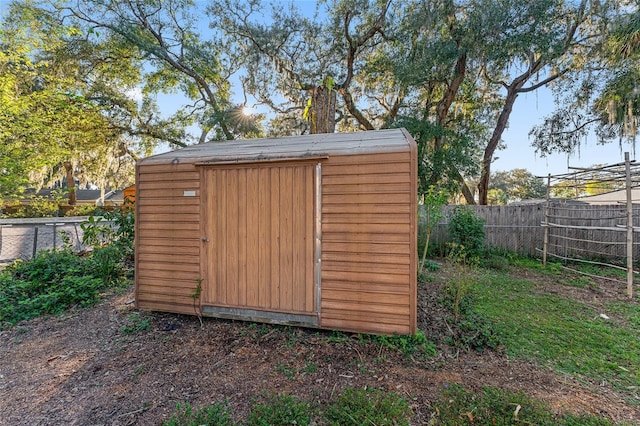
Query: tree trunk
(323, 110)
(71, 182)
(503, 120)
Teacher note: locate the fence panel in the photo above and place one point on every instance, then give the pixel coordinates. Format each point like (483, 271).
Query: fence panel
(23, 238)
(515, 228)
(519, 229)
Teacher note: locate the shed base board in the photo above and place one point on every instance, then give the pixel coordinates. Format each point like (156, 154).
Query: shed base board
(260, 316)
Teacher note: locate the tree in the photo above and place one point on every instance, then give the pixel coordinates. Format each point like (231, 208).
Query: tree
(50, 116)
(302, 67)
(448, 71)
(601, 101)
(516, 185)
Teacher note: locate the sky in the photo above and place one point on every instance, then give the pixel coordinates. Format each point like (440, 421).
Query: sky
(528, 111)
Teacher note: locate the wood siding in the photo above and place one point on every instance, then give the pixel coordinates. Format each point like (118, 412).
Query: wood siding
(258, 220)
(167, 237)
(368, 243)
(318, 230)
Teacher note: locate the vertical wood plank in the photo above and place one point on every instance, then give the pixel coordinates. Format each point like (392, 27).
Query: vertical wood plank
(286, 237)
(298, 229)
(253, 235)
(310, 208)
(232, 231)
(242, 237)
(275, 237)
(221, 240)
(264, 250)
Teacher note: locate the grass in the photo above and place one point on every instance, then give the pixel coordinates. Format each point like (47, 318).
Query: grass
(411, 345)
(458, 406)
(455, 406)
(212, 415)
(351, 407)
(281, 410)
(566, 334)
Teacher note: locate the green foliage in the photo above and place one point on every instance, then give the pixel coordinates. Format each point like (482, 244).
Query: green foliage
(517, 185)
(57, 280)
(409, 345)
(368, 407)
(458, 406)
(83, 210)
(466, 230)
(135, 323)
(351, 407)
(433, 202)
(472, 330)
(114, 228)
(50, 283)
(280, 411)
(36, 206)
(212, 415)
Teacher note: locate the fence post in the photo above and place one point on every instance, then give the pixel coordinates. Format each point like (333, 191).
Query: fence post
(627, 168)
(35, 241)
(546, 223)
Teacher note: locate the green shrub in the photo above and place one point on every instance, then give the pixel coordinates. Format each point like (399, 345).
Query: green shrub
(466, 230)
(368, 407)
(47, 284)
(282, 410)
(84, 210)
(212, 415)
(56, 280)
(112, 227)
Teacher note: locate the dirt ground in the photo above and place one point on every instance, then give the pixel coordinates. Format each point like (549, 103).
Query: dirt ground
(81, 368)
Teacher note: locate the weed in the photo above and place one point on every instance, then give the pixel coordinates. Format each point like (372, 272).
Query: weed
(473, 331)
(135, 323)
(56, 280)
(496, 262)
(338, 337)
(432, 265)
(196, 295)
(139, 370)
(458, 406)
(290, 372)
(213, 415)
(281, 410)
(310, 367)
(368, 407)
(408, 345)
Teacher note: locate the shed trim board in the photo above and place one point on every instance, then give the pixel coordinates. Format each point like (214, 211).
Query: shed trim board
(314, 230)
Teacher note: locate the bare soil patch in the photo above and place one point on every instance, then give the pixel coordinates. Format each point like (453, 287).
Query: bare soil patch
(82, 369)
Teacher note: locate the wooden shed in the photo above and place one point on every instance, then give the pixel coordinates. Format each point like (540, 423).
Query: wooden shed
(315, 230)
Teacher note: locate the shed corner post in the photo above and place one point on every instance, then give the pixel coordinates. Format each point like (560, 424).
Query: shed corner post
(318, 239)
(136, 239)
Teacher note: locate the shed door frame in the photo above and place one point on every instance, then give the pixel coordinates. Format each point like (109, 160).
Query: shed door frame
(212, 304)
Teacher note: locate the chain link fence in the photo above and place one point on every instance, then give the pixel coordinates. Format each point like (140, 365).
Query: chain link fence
(24, 238)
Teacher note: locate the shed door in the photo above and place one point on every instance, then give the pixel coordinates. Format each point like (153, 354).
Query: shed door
(258, 221)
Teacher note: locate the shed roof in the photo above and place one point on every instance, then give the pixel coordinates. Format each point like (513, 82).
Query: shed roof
(291, 147)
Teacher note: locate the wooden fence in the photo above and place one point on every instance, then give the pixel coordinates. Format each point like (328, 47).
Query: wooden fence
(519, 229)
